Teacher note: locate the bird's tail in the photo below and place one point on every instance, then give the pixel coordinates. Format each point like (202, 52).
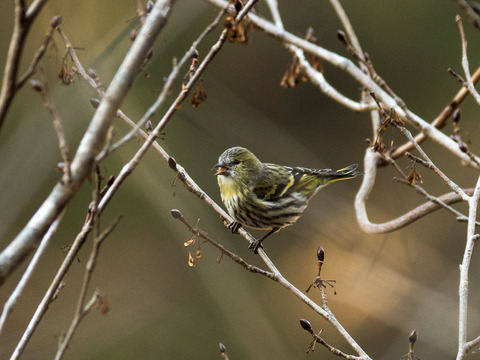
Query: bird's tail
(342, 174)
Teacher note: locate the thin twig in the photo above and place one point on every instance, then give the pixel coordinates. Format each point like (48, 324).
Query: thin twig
(431, 165)
(469, 12)
(15, 295)
(23, 20)
(82, 308)
(466, 68)
(420, 190)
(49, 104)
(40, 52)
(441, 120)
(164, 93)
(53, 288)
(317, 78)
(198, 233)
(17, 42)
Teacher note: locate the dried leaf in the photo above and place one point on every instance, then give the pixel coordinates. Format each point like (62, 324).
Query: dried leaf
(316, 63)
(292, 75)
(189, 241)
(66, 75)
(378, 145)
(191, 260)
(198, 254)
(199, 96)
(414, 176)
(238, 33)
(397, 118)
(104, 305)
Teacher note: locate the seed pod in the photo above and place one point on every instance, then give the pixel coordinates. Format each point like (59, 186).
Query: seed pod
(56, 21)
(149, 6)
(321, 254)
(457, 114)
(413, 337)
(305, 324)
(342, 37)
(95, 102)
(176, 213)
(133, 34)
(36, 85)
(463, 147)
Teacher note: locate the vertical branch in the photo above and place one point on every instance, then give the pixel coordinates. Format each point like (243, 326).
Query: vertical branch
(23, 20)
(465, 65)
(20, 30)
(464, 268)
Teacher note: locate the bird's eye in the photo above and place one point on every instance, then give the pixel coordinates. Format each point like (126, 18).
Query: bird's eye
(236, 162)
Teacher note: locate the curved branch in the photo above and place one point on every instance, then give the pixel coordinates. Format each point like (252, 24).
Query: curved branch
(370, 163)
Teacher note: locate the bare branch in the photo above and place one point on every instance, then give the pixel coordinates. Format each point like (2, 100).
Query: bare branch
(370, 168)
(82, 308)
(463, 346)
(90, 145)
(57, 123)
(53, 288)
(199, 233)
(14, 296)
(40, 52)
(466, 68)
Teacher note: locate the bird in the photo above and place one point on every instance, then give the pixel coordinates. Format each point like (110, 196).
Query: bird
(267, 196)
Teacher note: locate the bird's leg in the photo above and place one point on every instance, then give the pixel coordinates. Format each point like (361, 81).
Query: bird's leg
(258, 243)
(235, 226)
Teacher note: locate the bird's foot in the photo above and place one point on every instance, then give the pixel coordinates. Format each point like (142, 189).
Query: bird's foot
(235, 226)
(255, 245)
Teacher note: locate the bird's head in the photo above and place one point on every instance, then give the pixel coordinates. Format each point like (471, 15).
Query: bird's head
(239, 164)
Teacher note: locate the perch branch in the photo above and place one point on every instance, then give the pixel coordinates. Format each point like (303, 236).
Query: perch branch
(278, 277)
(199, 233)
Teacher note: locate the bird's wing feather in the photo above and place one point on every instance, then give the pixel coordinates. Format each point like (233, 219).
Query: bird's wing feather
(279, 181)
(274, 182)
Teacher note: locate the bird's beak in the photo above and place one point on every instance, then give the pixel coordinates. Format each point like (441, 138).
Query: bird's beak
(222, 169)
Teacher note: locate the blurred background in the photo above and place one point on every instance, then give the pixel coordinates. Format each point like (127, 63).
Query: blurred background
(160, 308)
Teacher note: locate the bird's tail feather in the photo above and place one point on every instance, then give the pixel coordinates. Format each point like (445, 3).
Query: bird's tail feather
(342, 174)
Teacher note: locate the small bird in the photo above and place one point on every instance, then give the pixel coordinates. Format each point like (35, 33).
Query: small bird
(268, 196)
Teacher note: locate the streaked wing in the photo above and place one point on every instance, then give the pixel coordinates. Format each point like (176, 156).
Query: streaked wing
(274, 182)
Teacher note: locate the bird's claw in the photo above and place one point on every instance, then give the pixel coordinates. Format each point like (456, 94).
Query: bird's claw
(234, 226)
(255, 245)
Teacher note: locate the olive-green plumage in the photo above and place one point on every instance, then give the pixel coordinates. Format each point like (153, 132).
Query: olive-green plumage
(268, 196)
